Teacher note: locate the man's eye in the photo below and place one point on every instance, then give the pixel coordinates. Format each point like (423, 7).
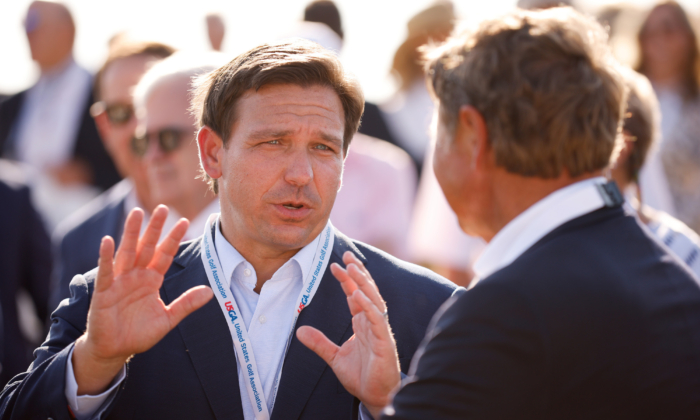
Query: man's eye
(322, 147)
(273, 142)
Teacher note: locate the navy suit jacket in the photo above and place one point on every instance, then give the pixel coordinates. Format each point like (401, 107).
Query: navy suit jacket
(77, 239)
(88, 146)
(597, 320)
(191, 373)
(25, 263)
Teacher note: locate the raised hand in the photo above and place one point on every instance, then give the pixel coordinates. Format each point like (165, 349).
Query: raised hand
(367, 364)
(126, 313)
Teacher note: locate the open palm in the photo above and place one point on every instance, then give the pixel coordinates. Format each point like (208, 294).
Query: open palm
(126, 313)
(367, 364)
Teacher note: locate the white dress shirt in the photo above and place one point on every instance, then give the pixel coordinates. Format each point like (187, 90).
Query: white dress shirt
(536, 222)
(267, 316)
(51, 115)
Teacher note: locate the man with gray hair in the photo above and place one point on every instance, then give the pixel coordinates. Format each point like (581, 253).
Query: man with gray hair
(579, 312)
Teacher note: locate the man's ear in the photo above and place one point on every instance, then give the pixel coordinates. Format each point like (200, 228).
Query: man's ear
(472, 133)
(211, 151)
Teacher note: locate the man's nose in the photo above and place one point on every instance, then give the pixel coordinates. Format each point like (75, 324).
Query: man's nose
(299, 171)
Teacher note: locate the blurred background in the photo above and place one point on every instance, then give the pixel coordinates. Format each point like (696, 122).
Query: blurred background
(373, 30)
(72, 164)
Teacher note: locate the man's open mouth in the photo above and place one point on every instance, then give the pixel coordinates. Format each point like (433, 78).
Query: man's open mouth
(293, 206)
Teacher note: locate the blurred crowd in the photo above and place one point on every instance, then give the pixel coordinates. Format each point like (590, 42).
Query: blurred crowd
(76, 160)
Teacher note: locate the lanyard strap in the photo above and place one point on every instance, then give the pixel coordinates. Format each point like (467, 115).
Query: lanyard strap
(241, 342)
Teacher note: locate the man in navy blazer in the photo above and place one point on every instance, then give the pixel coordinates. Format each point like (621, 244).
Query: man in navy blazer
(142, 338)
(25, 264)
(579, 312)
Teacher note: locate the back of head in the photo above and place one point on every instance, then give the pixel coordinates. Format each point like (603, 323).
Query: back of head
(435, 23)
(546, 84)
(296, 62)
(324, 11)
(642, 121)
(122, 48)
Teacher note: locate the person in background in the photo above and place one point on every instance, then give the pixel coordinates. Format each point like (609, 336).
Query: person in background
(49, 127)
(77, 239)
(375, 202)
(25, 264)
(327, 13)
(640, 132)
(165, 139)
(216, 29)
(409, 111)
(669, 57)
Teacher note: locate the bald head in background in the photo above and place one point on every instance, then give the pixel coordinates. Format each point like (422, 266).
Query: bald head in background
(50, 31)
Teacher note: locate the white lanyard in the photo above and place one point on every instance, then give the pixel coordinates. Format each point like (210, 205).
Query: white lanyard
(241, 343)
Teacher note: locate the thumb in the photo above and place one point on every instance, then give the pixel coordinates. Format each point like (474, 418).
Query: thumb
(318, 343)
(187, 303)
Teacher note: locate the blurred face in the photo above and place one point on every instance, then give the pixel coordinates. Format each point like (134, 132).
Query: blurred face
(666, 44)
(172, 173)
(455, 169)
(49, 32)
(117, 121)
(283, 164)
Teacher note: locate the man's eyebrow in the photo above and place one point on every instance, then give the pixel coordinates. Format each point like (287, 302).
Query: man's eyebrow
(331, 138)
(266, 134)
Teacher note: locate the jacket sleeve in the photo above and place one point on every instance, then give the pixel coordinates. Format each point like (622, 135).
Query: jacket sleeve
(40, 392)
(481, 359)
(36, 264)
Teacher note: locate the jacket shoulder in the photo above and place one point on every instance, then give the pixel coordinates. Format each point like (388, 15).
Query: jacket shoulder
(395, 276)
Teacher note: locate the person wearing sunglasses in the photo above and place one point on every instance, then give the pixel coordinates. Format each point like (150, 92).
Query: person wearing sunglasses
(77, 238)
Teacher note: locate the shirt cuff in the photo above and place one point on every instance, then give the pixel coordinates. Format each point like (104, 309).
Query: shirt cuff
(84, 406)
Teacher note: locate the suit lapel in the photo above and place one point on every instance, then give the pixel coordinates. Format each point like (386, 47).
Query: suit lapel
(207, 338)
(329, 313)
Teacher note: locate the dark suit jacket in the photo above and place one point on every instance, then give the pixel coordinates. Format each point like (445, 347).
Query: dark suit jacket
(191, 373)
(597, 320)
(77, 239)
(25, 263)
(88, 146)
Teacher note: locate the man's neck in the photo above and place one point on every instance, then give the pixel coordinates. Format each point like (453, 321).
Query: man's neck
(512, 194)
(266, 260)
(191, 208)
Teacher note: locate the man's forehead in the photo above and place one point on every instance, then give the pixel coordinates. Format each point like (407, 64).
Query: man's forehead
(281, 98)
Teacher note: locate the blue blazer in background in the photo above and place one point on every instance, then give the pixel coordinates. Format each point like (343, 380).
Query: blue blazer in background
(77, 239)
(192, 374)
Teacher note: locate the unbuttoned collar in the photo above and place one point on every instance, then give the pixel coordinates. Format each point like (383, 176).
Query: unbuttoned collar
(533, 224)
(230, 258)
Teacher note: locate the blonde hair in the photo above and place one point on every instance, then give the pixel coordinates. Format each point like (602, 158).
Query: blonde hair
(546, 84)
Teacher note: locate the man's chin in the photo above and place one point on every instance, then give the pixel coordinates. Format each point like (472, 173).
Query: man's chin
(292, 236)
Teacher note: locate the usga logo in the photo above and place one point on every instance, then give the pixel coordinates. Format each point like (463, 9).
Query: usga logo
(231, 311)
(302, 304)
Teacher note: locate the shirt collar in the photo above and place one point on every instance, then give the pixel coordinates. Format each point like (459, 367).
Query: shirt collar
(537, 221)
(230, 258)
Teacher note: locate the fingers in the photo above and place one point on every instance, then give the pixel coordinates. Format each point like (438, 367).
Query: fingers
(126, 254)
(366, 285)
(168, 247)
(147, 245)
(105, 269)
(187, 303)
(379, 325)
(318, 343)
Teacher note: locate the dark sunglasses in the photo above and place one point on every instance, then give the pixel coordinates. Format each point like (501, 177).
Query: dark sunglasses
(168, 139)
(117, 113)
